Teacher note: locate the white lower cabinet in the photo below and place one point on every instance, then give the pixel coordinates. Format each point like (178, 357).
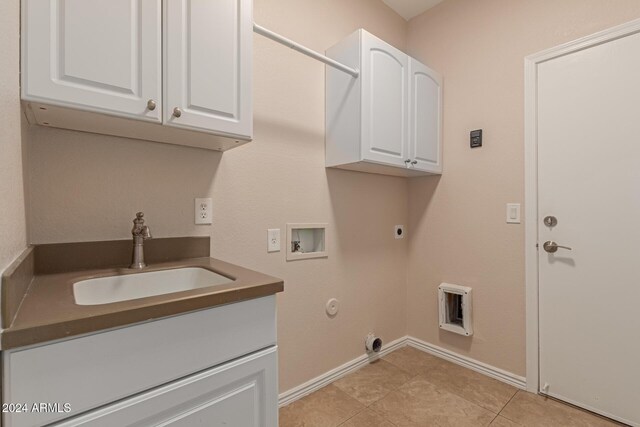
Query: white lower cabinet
(213, 367)
(236, 394)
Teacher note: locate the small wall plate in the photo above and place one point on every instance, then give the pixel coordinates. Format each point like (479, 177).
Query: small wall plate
(475, 138)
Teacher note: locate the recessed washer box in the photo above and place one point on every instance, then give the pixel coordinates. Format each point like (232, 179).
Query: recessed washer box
(455, 309)
(306, 241)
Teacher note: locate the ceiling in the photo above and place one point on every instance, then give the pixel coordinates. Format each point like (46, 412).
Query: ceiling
(410, 8)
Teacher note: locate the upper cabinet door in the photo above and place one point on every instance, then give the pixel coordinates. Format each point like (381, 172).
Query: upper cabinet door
(425, 118)
(102, 56)
(384, 102)
(208, 45)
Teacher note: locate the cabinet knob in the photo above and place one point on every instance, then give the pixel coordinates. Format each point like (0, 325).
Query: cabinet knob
(151, 105)
(177, 112)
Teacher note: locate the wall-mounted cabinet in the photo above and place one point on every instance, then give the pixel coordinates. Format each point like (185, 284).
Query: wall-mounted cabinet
(388, 120)
(177, 71)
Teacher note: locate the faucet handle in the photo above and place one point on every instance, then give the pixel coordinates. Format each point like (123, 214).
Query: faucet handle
(139, 229)
(138, 222)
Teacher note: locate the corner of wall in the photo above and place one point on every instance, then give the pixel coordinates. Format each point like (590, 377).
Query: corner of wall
(12, 219)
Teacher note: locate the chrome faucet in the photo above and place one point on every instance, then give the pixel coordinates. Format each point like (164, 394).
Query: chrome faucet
(140, 233)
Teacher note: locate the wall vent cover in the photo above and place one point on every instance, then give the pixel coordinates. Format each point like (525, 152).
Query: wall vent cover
(455, 309)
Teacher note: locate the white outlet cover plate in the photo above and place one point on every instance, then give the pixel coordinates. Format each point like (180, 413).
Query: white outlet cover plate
(273, 240)
(203, 211)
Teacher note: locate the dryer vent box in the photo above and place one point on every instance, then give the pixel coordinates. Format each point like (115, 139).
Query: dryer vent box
(455, 309)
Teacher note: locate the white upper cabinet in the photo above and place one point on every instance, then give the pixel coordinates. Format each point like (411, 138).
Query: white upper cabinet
(102, 56)
(208, 53)
(387, 120)
(181, 69)
(384, 90)
(425, 118)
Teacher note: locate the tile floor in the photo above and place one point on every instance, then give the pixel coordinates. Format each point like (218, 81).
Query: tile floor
(410, 388)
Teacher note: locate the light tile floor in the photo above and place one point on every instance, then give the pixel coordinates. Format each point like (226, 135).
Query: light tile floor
(410, 388)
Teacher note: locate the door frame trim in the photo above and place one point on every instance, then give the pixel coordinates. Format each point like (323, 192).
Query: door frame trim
(531, 63)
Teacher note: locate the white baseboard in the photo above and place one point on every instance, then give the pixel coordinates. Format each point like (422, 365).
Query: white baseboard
(317, 383)
(467, 362)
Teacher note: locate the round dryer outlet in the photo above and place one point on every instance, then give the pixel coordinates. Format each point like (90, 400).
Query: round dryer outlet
(332, 307)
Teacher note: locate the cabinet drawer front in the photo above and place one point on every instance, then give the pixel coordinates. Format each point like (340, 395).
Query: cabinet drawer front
(95, 370)
(208, 55)
(98, 55)
(241, 393)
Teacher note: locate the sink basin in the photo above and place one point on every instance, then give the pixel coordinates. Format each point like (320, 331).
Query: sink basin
(105, 290)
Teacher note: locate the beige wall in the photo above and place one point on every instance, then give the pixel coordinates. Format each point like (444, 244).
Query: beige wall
(457, 223)
(12, 212)
(88, 187)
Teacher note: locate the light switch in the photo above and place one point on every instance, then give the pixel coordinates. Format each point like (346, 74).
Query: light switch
(513, 213)
(273, 240)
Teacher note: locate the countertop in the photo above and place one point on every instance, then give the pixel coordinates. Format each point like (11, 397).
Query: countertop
(48, 310)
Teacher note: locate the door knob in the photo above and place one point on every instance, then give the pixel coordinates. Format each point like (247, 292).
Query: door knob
(151, 105)
(552, 247)
(177, 112)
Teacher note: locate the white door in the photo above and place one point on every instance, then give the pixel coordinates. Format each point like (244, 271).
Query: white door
(425, 118)
(208, 54)
(589, 180)
(97, 55)
(385, 72)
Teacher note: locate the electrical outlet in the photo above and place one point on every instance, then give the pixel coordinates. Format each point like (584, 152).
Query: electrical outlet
(203, 211)
(273, 240)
